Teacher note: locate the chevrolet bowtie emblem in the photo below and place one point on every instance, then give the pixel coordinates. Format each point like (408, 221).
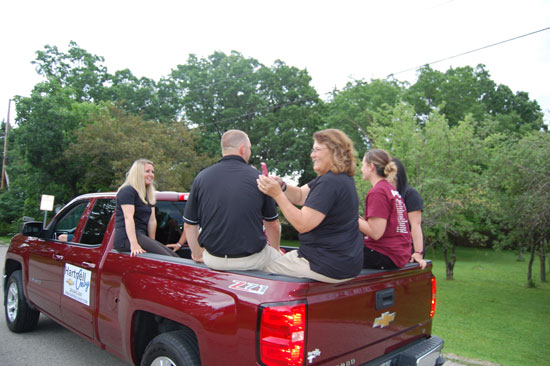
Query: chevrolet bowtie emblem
(384, 320)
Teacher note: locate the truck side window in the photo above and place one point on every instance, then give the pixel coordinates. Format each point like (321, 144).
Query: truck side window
(67, 224)
(97, 222)
(169, 221)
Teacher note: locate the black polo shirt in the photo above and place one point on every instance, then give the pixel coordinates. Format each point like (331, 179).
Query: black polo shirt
(227, 204)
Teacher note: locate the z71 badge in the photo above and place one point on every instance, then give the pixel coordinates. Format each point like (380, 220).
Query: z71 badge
(253, 288)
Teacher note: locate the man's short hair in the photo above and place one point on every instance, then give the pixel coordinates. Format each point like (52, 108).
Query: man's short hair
(232, 139)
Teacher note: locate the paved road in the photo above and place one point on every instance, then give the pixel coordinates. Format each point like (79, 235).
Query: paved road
(49, 344)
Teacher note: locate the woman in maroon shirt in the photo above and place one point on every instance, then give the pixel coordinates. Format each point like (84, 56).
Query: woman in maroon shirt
(385, 226)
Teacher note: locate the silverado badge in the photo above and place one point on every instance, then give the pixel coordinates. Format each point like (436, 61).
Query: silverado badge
(384, 320)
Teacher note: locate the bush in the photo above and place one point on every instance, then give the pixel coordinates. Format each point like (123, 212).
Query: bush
(11, 208)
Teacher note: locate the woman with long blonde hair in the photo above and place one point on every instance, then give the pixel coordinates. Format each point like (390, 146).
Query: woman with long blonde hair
(135, 221)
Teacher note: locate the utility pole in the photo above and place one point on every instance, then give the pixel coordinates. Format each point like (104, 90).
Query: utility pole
(5, 148)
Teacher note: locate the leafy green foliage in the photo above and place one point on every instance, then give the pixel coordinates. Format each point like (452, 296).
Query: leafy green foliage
(519, 172)
(46, 122)
(472, 148)
(11, 202)
(276, 107)
(464, 90)
(114, 140)
(352, 109)
(77, 69)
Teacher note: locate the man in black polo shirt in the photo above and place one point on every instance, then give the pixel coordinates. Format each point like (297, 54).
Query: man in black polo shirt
(226, 203)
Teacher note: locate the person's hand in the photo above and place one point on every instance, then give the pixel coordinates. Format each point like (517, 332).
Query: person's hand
(269, 186)
(175, 246)
(417, 257)
(278, 179)
(136, 249)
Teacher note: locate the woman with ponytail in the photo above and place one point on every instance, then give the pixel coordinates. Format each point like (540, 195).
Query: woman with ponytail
(385, 225)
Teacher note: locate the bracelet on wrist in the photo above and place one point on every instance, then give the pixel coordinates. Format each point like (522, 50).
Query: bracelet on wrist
(180, 245)
(284, 187)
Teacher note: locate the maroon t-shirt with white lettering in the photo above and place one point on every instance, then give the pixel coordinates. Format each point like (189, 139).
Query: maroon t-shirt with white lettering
(384, 201)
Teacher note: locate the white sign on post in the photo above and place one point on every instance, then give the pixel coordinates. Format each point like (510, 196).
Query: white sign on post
(46, 204)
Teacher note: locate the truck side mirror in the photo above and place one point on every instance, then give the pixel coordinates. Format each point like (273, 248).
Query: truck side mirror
(31, 228)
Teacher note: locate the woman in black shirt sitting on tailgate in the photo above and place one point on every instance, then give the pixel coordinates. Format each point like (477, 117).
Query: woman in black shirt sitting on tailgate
(135, 225)
(331, 246)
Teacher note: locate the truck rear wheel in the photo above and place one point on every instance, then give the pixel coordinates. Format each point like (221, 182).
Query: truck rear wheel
(19, 315)
(177, 348)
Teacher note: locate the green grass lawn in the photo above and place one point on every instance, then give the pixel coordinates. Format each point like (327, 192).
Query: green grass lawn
(487, 312)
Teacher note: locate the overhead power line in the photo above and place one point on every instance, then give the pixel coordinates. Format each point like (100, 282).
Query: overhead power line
(468, 52)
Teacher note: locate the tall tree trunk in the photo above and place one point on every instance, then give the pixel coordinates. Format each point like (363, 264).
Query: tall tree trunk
(543, 261)
(449, 262)
(530, 281)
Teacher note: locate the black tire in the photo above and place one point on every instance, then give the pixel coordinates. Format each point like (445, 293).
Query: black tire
(20, 317)
(177, 348)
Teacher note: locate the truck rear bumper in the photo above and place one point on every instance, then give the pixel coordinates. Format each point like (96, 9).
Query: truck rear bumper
(427, 352)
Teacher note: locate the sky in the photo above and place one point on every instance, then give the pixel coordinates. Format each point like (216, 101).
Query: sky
(335, 41)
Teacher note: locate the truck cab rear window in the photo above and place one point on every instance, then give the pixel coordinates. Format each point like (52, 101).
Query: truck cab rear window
(97, 222)
(169, 221)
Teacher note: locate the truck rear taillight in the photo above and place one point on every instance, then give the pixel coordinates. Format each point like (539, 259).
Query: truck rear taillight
(282, 335)
(434, 288)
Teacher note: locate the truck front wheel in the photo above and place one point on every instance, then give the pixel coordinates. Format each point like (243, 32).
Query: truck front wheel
(177, 348)
(19, 315)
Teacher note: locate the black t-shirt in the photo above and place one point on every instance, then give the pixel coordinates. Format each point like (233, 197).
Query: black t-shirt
(227, 204)
(129, 196)
(413, 202)
(335, 247)
(412, 199)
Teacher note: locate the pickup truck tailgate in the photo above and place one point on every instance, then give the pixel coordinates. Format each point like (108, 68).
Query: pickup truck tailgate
(372, 315)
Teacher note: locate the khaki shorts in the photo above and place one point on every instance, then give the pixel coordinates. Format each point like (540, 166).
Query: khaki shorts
(256, 261)
(292, 265)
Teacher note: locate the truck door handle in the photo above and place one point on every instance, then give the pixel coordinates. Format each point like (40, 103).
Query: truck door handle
(385, 298)
(89, 265)
(57, 257)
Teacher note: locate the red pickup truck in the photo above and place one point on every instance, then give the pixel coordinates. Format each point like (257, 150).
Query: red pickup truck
(158, 310)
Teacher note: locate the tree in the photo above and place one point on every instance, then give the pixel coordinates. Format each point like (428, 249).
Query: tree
(464, 90)
(77, 69)
(46, 122)
(153, 101)
(275, 106)
(352, 109)
(115, 139)
(90, 81)
(520, 170)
